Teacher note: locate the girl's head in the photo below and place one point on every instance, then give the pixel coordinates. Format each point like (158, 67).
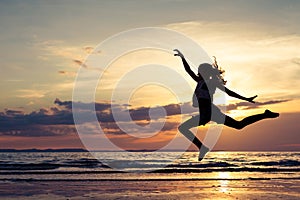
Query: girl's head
(208, 71)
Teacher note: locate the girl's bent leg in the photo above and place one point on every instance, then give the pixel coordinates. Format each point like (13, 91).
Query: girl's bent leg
(184, 128)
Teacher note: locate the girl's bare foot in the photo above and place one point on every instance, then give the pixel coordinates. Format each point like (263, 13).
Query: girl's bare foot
(202, 152)
(270, 114)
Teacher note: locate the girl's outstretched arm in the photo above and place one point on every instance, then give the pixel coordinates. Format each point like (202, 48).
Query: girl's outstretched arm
(233, 94)
(186, 65)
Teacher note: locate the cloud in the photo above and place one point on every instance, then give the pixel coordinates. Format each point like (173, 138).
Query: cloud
(296, 61)
(61, 72)
(67, 73)
(29, 93)
(14, 80)
(79, 62)
(45, 122)
(58, 120)
(88, 49)
(59, 48)
(13, 112)
(99, 107)
(39, 131)
(114, 129)
(247, 105)
(66, 53)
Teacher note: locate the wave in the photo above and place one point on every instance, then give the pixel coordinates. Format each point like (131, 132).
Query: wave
(47, 165)
(163, 170)
(142, 179)
(37, 166)
(85, 163)
(240, 169)
(285, 163)
(205, 165)
(159, 163)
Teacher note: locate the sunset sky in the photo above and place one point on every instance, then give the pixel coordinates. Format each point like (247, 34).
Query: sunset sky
(45, 43)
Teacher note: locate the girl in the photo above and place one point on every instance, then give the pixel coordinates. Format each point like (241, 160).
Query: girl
(208, 79)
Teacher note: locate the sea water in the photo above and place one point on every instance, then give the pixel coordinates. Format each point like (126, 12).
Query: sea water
(48, 166)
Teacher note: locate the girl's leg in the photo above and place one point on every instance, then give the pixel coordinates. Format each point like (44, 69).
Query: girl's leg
(249, 120)
(205, 108)
(202, 119)
(185, 127)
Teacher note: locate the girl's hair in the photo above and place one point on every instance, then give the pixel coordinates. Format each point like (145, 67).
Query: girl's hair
(211, 70)
(221, 71)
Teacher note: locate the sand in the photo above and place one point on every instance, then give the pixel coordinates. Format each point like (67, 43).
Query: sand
(151, 189)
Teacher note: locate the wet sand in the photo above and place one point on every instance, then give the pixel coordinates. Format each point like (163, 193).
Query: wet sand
(151, 189)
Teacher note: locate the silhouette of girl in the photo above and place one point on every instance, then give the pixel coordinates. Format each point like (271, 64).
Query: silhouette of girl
(208, 79)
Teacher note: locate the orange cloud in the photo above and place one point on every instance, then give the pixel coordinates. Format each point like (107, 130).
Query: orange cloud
(67, 73)
(79, 62)
(88, 49)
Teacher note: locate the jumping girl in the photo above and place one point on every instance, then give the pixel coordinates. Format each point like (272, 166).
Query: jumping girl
(208, 79)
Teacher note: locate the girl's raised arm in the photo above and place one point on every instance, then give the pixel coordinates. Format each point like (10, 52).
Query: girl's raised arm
(186, 65)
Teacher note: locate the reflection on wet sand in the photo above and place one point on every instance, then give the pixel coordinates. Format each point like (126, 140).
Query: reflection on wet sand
(224, 176)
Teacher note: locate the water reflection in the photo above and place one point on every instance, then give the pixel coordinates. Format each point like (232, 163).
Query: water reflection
(224, 180)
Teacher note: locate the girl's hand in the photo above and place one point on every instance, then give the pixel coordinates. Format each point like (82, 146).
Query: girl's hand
(250, 99)
(178, 53)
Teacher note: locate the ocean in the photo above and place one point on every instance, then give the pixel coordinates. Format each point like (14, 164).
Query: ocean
(103, 166)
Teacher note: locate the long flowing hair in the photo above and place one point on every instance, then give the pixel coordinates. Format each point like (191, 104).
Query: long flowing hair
(220, 76)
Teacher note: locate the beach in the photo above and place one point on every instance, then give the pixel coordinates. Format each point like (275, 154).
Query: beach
(149, 175)
(165, 189)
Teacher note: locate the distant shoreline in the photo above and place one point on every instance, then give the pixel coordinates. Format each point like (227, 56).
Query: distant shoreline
(84, 150)
(42, 150)
(141, 150)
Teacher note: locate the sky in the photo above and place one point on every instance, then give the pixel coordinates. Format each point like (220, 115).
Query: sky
(44, 44)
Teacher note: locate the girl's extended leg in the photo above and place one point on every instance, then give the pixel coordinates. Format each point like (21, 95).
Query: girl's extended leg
(249, 120)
